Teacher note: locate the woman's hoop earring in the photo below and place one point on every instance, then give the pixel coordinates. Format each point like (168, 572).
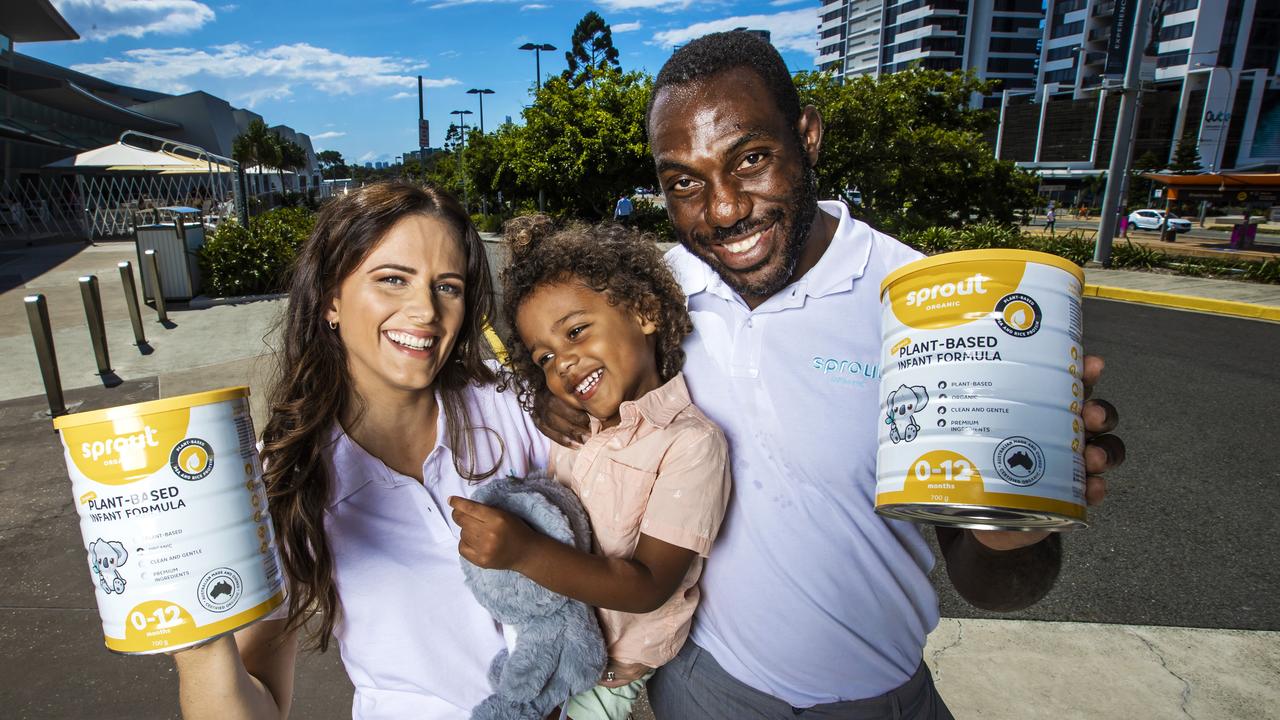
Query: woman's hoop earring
(333, 325)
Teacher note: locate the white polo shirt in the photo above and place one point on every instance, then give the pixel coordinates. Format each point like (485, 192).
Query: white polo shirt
(808, 595)
(413, 639)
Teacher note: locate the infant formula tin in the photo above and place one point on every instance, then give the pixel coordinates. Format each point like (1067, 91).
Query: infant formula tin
(174, 518)
(981, 379)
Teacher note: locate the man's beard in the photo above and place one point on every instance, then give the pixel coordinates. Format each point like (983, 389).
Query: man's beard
(795, 218)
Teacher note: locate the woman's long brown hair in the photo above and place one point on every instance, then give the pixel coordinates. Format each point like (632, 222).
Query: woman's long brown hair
(313, 388)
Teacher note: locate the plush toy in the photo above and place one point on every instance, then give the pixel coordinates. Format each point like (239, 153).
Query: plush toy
(559, 651)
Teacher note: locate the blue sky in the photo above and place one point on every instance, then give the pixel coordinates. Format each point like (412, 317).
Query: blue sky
(345, 72)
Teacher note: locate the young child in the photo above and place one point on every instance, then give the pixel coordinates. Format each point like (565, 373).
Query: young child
(599, 320)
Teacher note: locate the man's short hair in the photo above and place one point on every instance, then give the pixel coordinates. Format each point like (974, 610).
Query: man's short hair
(713, 54)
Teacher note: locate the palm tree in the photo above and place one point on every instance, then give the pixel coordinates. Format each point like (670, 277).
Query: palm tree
(292, 157)
(256, 146)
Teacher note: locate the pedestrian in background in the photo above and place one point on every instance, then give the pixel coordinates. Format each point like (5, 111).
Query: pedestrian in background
(622, 211)
(1049, 220)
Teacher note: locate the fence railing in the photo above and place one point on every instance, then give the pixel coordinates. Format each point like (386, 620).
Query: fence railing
(98, 207)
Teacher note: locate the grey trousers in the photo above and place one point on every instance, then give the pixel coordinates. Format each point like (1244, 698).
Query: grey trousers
(693, 686)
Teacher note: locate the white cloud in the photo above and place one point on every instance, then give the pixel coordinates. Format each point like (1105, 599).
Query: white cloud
(450, 54)
(784, 3)
(370, 157)
(426, 83)
(626, 27)
(105, 19)
(533, 6)
(253, 71)
(438, 4)
(228, 8)
(791, 30)
(328, 135)
(659, 5)
(251, 98)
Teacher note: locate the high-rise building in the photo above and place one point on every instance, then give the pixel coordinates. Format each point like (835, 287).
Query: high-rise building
(1210, 72)
(997, 39)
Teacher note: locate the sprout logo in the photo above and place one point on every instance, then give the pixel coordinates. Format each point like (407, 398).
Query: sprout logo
(1018, 315)
(191, 459)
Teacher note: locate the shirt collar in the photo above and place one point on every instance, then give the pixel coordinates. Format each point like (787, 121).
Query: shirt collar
(352, 467)
(844, 261)
(658, 407)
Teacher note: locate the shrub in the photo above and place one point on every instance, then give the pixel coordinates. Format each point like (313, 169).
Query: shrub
(487, 223)
(1073, 245)
(235, 261)
(648, 216)
(1130, 255)
(932, 240)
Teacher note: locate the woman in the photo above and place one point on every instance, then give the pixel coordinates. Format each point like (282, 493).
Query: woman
(385, 407)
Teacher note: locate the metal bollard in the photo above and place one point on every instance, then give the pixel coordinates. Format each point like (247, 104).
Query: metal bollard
(42, 336)
(150, 264)
(93, 316)
(131, 299)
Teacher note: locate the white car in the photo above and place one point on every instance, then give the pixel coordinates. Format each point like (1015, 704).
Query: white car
(1150, 219)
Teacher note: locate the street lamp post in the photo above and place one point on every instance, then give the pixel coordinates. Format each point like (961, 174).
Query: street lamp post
(537, 49)
(480, 92)
(462, 154)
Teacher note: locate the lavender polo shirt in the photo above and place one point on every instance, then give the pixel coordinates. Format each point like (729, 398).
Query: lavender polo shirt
(808, 595)
(414, 641)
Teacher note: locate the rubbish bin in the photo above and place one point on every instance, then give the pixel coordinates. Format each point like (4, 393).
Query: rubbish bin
(176, 238)
(1242, 235)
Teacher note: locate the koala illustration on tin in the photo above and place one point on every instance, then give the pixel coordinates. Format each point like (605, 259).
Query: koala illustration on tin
(106, 556)
(903, 403)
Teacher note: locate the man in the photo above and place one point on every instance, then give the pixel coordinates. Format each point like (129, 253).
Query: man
(622, 211)
(811, 602)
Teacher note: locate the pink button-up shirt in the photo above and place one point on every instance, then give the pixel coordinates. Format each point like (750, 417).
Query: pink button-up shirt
(662, 471)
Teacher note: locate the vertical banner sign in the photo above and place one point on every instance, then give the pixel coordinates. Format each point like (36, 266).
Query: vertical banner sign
(424, 133)
(1118, 43)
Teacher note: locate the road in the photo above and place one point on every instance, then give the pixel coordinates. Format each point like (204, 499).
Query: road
(1188, 535)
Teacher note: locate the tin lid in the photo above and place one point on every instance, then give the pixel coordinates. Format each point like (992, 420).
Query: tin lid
(935, 261)
(151, 406)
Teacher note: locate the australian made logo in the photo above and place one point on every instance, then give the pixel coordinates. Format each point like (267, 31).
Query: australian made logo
(220, 589)
(1019, 461)
(1018, 315)
(191, 459)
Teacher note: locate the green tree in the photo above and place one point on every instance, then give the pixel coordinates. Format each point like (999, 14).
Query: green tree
(584, 145)
(292, 158)
(331, 163)
(256, 146)
(592, 50)
(913, 145)
(1186, 158)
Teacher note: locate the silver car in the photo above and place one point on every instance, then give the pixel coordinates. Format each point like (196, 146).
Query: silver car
(1151, 219)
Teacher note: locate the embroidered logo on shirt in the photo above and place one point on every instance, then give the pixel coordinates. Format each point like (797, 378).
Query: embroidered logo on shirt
(840, 371)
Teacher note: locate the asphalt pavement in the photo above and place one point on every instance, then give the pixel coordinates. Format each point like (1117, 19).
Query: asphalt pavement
(1166, 605)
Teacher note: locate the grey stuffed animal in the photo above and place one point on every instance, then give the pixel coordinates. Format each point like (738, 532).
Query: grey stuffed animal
(559, 651)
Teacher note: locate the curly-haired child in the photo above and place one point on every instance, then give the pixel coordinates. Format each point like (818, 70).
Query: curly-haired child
(599, 320)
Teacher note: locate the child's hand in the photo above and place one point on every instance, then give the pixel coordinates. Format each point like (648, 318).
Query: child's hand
(491, 538)
(563, 424)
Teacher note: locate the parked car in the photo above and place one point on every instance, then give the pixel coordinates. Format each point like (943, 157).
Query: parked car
(1151, 219)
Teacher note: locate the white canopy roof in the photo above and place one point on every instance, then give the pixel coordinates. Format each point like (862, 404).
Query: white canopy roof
(121, 157)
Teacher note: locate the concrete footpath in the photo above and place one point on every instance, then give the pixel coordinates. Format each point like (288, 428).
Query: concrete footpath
(48, 623)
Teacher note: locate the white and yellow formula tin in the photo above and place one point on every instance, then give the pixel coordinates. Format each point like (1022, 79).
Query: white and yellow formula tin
(174, 518)
(981, 382)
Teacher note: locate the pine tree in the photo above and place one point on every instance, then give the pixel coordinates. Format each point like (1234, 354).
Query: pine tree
(592, 50)
(1186, 159)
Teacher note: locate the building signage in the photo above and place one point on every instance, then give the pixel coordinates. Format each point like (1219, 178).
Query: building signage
(424, 133)
(1118, 43)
